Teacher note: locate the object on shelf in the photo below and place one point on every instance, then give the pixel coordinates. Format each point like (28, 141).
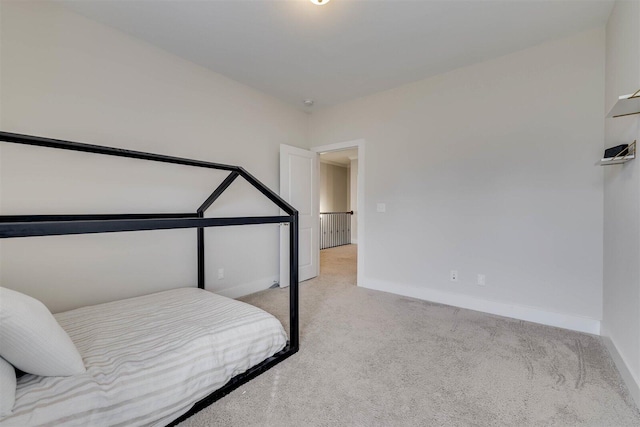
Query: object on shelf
(624, 153)
(626, 105)
(614, 151)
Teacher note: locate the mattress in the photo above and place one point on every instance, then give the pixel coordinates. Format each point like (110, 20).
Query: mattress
(148, 359)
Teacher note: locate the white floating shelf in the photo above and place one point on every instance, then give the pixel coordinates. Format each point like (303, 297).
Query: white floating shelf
(626, 105)
(616, 160)
(631, 154)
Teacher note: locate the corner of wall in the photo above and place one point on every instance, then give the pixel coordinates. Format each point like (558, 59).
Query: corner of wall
(633, 384)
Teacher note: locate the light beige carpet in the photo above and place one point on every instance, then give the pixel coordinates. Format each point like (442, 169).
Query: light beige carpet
(371, 358)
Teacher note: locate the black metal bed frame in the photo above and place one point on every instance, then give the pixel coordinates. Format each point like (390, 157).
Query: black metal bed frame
(50, 225)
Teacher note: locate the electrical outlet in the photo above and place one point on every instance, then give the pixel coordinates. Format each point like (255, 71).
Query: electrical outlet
(454, 275)
(481, 280)
(220, 273)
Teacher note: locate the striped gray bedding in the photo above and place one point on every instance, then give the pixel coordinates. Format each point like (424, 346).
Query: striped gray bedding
(148, 359)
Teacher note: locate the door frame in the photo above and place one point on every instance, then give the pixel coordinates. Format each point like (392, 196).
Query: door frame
(360, 145)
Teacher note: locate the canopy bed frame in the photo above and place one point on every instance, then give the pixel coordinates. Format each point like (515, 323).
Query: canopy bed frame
(15, 226)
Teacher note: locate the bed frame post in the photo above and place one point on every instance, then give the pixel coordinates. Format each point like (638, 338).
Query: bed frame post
(293, 285)
(201, 254)
(200, 212)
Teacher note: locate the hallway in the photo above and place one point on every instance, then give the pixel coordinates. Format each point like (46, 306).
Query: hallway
(340, 261)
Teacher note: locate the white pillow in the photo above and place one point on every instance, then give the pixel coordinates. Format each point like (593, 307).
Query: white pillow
(32, 340)
(7, 387)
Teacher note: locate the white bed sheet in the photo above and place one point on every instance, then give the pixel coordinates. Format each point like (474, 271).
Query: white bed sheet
(148, 359)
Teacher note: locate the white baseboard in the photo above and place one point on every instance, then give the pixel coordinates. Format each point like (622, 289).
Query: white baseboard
(354, 241)
(530, 314)
(632, 383)
(245, 288)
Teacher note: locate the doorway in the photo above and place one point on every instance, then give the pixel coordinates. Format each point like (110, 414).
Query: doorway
(338, 198)
(341, 202)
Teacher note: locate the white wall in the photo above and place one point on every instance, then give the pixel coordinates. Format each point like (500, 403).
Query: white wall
(621, 314)
(64, 76)
(333, 188)
(488, 169)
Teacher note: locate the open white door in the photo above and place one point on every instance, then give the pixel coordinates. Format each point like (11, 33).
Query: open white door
(299, 187)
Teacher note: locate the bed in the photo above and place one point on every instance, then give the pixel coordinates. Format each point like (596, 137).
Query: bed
(148, 359)
(155, 359)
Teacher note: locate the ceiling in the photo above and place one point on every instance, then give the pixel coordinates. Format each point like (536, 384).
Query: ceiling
(345, 49)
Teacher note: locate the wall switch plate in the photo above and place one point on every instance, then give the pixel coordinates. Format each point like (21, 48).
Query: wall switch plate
(453, 275)
(381, 207)
(481, 280)
(220, 273)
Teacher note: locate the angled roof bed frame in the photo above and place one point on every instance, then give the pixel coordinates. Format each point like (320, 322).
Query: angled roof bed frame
(49, 225)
